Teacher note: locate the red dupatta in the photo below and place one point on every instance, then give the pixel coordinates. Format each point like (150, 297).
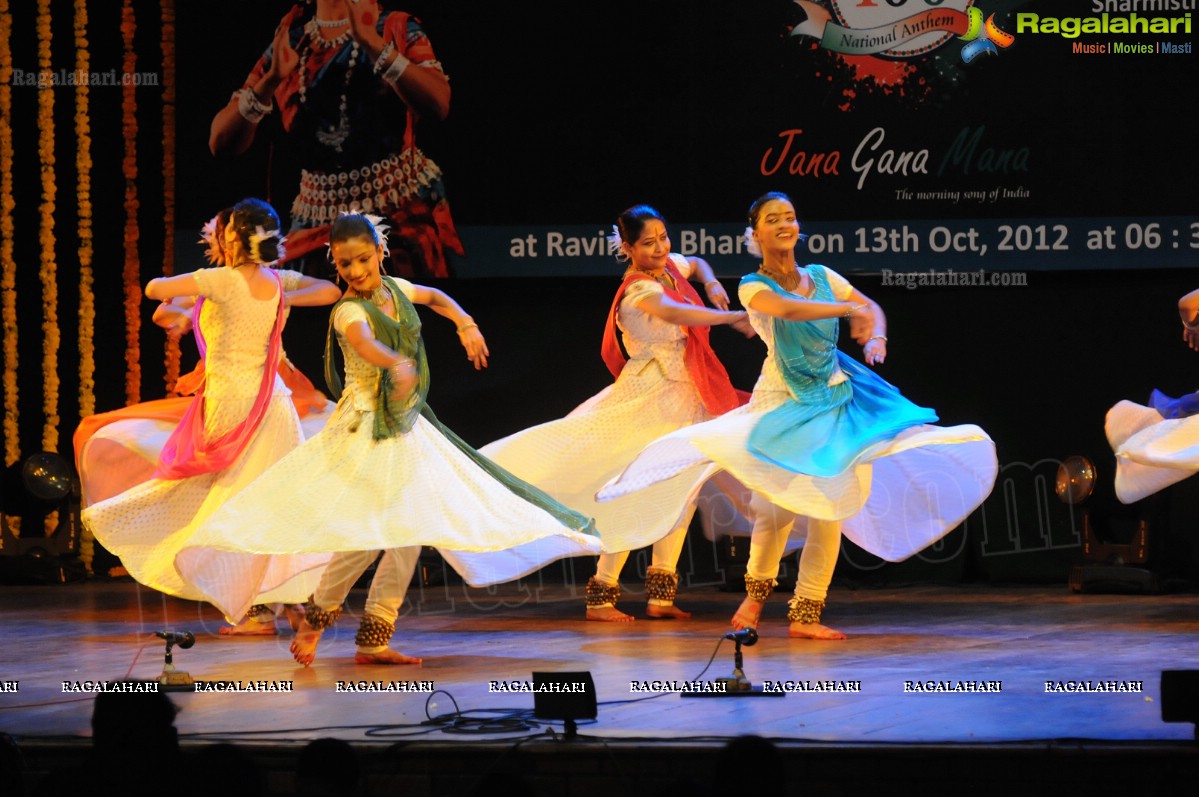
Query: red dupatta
(188, 452)
(707, 373)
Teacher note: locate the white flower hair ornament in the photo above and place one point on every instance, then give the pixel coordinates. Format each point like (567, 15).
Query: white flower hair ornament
(213, 250)
(261, 236)
(616, 245)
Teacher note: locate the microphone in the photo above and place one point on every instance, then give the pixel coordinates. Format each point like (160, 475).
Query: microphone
(184, 639)
(746, 636)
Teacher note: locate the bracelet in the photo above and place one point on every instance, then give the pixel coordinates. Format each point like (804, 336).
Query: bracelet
(712, 282)
(395, 368)
(883, 338)
(851, 310)
(386, 51)
(1193, 325)
(249, 106)
(396, 68)
(466, 326)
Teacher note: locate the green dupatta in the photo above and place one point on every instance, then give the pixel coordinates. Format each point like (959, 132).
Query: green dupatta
(394, 418)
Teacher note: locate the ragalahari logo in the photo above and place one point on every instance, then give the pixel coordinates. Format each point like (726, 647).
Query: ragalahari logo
(900, 28)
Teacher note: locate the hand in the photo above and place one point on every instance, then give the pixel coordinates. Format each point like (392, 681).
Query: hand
(364, 15)
(743, 326)
(861, 324)
(717, 295)
(875, 351)
(403, 379)
(178, 328)
(284, 58)
(476, 348)
(1191, 338)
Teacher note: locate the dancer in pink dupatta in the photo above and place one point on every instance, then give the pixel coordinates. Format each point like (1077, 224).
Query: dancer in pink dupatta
(241, 421)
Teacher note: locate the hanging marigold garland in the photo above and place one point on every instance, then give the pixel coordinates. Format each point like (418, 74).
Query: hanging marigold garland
(49, 263)
(83, 195)
(8, 267)
(87, 296)
(168, 173)
(131, 275)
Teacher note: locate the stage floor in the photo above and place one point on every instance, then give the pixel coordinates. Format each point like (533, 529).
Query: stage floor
(1017, 637)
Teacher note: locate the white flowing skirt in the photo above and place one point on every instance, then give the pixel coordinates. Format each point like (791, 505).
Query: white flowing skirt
(897, 498)
(1152, 452)
(344, 491)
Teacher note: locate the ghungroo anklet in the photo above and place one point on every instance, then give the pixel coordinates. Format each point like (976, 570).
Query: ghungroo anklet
(373, 632)
(600, 594)
(804, 610)
(320, 619)
(759, 589)
(261, 613)
(661, 585)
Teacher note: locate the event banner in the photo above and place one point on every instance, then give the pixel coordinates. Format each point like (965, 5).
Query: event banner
(963, 135)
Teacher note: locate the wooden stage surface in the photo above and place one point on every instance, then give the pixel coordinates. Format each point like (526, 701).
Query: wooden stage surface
(1019, 636)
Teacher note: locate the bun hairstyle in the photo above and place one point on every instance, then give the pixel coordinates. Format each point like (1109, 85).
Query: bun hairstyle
(629, 226)
(257, 227)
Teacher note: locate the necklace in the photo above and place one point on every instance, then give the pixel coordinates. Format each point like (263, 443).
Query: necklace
(328, 134)
(379, 297)
(331, 23)
(313, 29)
(788, 281)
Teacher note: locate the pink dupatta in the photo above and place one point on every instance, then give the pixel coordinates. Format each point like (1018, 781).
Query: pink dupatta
(188, 452)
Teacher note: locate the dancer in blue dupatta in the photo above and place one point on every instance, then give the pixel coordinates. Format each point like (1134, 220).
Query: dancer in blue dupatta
(826, 446)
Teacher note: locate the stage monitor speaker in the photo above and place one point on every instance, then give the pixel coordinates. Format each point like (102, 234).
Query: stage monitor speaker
(565, 696)
(1180, 696)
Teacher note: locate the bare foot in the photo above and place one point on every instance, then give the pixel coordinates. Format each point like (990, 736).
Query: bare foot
(387, 656)
(609, 614)
(814, 631)
(249, 627)
(748, 614)
(670, 612)
(303, 646)
(295, 615)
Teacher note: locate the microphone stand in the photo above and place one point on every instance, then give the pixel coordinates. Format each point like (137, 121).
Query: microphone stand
(173, 680)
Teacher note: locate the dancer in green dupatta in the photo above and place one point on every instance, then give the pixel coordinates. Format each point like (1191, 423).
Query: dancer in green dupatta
(384, 475)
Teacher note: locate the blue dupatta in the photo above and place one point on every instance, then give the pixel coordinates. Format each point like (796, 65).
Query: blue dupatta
(823, 429)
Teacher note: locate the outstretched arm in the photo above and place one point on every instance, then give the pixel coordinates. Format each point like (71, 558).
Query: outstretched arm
(312, 292)
(468, 331)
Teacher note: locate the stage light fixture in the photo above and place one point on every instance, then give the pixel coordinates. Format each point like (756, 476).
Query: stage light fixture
(566, 696)
(1107, 566)
(29, 554)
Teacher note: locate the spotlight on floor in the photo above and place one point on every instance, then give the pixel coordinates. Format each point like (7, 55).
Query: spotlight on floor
(1180, 697)
(567, 696)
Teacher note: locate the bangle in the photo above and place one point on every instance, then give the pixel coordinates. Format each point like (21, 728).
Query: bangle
(249, 106)
(1192, 325)
(396, 68)
(394, 368)
(850, 310)
(382, 59)
(712, 282)
(466, 326)
(883, 338)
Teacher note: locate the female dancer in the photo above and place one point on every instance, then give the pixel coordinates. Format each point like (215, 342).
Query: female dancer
(823, 437)
(1156, 445)
(383, 475)
(241, 421)
(672, 379)
(350, 82)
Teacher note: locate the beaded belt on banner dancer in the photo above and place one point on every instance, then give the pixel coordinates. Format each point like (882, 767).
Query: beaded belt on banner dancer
(375, 188)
